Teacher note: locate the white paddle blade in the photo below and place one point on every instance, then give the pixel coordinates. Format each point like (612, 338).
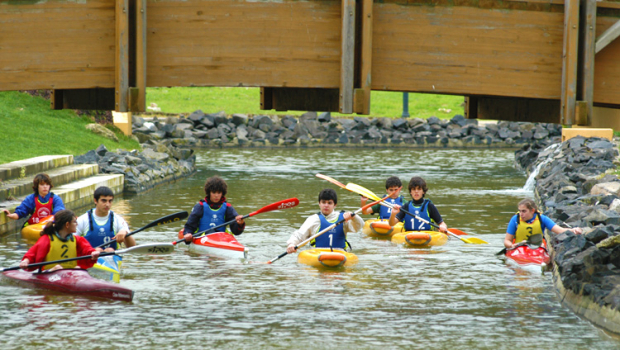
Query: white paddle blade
(150, 248)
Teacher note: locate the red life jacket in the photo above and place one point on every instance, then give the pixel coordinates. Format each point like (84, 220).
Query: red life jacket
(41, 210)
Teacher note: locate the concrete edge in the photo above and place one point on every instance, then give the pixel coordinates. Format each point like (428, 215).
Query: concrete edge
(32, 166)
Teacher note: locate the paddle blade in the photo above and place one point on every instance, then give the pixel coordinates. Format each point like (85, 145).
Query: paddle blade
(363, 191)
(473, 240)
(150, 248)
(332, 180)
(168, 219)
(458, 232)
(283, 204)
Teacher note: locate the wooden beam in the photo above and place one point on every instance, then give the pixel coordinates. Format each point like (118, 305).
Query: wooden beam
(471, 107)
(362, 95)
(569, 60)
(266, 98)
(121, 92)
(140, 56)
(518, 109)
(608, 36)
(585, 71)
(347, 56)
(302, 99)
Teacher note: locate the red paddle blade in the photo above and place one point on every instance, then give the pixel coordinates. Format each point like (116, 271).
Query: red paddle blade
(373, 203)
(332, 180)
(283, 204)
(457, 232)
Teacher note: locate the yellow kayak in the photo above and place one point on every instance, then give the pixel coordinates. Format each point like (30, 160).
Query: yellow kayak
(33, 232)
(325, 257)
(380, 228)
(420, 239)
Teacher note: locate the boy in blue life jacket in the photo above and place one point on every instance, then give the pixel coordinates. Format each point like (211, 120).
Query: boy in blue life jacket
(335, 238)
(420, 206)
(529, 225)
(213, 211)
(39, 205)
(100, 224)
(393, 186)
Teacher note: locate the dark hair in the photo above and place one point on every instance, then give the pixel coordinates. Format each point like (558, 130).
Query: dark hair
(328, 194)
(60, 219)
(103, 191)
(529, 204)
(417, 181)
(39, 179)
(215, 184)
(392, 181)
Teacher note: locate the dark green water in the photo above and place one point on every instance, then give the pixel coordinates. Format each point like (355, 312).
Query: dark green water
(458, 296)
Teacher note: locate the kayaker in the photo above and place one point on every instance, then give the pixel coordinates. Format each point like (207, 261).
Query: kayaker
(336, 238)
(529, 222)
(39, 205)
(100, 224)
(393, 186)
(420, 206)
(212, 211)
(57, 242)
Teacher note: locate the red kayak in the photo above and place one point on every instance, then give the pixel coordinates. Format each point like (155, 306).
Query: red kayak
(74, 281)
(529, 255)
(219, 244)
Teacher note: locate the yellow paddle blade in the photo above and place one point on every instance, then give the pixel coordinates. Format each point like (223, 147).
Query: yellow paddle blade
(473, 240)
(363, 191)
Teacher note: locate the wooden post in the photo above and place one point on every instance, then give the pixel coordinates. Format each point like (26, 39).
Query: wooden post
(347, 56)
(587, 39)
(121, 92)
(141, 55)
(471, 107)
(569, 60)
(362, 95)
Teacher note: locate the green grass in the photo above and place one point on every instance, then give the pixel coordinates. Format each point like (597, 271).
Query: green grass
(30, 128)
(247, 100)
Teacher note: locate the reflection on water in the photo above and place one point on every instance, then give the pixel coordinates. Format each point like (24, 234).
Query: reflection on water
(458, 296)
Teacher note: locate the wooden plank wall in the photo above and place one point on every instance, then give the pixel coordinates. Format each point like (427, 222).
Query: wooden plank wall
(56, 44)
(467, 50)
(244, 43)
(607, 66)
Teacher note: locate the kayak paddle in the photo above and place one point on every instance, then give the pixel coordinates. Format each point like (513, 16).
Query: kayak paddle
(367, 193)
(150, 248)
(325, 230)
(161, 221)
(283, 204)
(340, 184)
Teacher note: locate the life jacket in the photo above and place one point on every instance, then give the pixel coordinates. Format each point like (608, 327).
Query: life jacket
(525, 231)
(384, 212)
(334, 238)
(413, 224)
(98, 235)
(41, 210)
(211, 218)
(60, 249)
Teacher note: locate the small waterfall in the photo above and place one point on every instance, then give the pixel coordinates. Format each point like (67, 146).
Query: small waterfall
(548, 153)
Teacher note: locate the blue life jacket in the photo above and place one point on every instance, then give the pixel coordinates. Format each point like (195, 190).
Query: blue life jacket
(413, 224)
(334, 238)
(211, 218)
(384, 212)
(97, 235)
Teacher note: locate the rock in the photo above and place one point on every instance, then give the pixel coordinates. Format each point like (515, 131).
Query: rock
(609, 242)
(102, 131)
(239, 119)
(606, 188)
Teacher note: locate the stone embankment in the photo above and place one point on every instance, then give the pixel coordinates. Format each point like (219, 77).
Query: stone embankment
(577, 186)
(321, 130)
(159, 162)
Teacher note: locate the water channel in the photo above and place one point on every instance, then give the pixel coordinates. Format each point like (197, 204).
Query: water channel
(459, 296)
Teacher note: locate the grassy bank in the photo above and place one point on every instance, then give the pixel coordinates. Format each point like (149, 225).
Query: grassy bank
(247, 100)
(30, 128)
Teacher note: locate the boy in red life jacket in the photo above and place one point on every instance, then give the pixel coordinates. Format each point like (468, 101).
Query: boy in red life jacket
(57, 242)
(42, 203)
(213, 211)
